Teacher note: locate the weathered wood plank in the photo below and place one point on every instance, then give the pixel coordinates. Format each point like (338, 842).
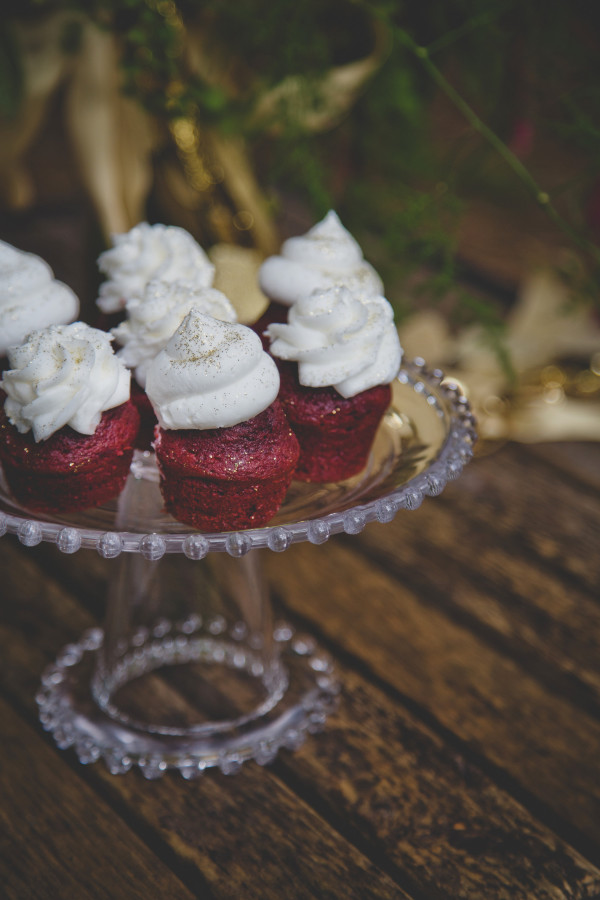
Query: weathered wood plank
(408, 798)
(557, 521)
(580, 459)
(249, 836)
(435, 815)
(481, 575)
(486, 699)
(58, 838)
(563, 622)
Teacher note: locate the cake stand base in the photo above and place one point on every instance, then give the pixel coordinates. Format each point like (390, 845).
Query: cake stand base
(70, 712)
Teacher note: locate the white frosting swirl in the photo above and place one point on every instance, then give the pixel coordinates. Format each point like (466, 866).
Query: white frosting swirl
(211, 374)
(63, 375)
(30, 297)
(155, 316)
(150, 252)
(324, 257)
(340, 341)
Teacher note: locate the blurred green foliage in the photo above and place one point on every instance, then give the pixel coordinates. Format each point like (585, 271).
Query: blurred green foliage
(505, 66)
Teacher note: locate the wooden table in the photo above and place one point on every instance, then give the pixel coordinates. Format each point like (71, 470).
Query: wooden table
(463, 761)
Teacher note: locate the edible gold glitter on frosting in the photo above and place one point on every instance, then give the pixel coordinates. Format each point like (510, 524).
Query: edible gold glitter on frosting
(154, 316)
(211, 374)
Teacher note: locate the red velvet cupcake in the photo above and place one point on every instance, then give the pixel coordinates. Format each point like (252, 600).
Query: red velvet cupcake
(68, 428)
(225, 479)
(348, 353)
(335, 433)
(225, 451)
(70, 471)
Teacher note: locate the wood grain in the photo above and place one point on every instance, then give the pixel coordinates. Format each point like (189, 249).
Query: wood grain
(435, 815)
(545, 513)
(414, 619)
(248, 836)
(488, 700)
(579, 459)
(485, 579)
(463, 761)
(59, 838)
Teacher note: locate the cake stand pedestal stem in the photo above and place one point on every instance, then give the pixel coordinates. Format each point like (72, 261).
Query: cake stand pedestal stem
(189, 673)
(206, 625)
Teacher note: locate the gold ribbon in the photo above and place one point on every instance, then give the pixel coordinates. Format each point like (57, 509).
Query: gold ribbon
(554, 349)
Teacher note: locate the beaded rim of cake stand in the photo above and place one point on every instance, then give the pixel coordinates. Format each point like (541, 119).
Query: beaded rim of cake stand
(70, 729)
(455, 453)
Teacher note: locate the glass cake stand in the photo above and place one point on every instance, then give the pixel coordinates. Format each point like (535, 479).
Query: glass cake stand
(190, 671)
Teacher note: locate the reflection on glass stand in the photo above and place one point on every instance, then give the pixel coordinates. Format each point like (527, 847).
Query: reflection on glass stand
(190, 670)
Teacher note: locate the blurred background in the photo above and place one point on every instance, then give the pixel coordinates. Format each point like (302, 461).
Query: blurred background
(458, 141)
